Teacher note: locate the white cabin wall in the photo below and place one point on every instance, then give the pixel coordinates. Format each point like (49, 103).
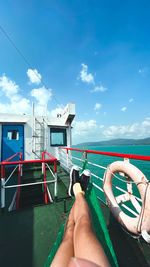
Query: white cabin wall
(63, 121)
(28, 155)
(28, 141)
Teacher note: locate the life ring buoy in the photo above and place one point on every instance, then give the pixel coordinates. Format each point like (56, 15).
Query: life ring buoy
(143, 185)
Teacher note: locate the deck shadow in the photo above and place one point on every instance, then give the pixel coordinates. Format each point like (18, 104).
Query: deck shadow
(127, 249)
(16, 238)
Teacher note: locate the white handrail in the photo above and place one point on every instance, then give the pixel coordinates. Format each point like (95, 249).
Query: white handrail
(22, 185)
(100, 189)
(11, 174)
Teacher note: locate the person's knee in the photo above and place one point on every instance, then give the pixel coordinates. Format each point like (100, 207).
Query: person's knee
(84, 223)
(68, 235)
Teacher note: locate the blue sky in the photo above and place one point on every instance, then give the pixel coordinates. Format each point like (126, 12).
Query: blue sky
(91, 52)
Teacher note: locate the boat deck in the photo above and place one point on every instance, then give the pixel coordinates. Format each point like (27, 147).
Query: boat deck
(27, 235)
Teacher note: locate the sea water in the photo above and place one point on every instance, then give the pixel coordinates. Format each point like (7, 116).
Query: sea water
(103, 160)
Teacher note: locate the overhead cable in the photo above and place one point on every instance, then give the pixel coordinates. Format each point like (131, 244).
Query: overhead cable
(24, 59)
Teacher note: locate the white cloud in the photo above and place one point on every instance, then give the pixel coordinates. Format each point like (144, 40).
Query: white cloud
(34, 76)
(131, 100)
(111, 131)
(146, 123)
(9, 87)
(84, 127)
(42, 95)
(14, 102)
(16, 107)
(85, 76)
(123, 130)
(97, 106)
(101, 126)
(99, 89)
(41, 110)
(21, 106)
(123, 109)
(85, 131)
(58, 110)
(135, 130)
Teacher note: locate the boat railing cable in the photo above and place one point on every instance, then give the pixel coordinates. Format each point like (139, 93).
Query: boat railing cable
(27, 61)
(64, 163)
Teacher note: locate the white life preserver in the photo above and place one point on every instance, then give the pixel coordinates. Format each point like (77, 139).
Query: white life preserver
(137, 225)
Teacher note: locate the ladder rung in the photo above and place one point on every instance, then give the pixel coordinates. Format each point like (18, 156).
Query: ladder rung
(40, 144)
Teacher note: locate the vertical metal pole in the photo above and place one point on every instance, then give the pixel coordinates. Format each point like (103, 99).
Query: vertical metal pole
(55, 184)
(45, 185)
(21, 170)
(85, 155)
(2, 187)
(33, 127)
(18, 188)
(44, 172)
(42, 163)
(21, 165)
(67, 160)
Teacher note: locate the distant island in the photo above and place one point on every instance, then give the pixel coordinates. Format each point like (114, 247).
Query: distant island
(118, 142)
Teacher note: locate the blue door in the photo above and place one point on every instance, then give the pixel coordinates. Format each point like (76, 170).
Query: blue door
(12, 141)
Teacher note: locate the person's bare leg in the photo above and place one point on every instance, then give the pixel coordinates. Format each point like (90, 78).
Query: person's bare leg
(86, 245)
(66, 248)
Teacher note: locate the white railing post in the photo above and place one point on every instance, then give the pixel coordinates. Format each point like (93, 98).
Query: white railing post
(42, 168)
(2, 193)
(55, 183)
(67, 160)
(21, 170)
(55, 186)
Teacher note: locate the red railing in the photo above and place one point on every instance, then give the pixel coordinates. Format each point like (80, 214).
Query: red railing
(5, 162)
(121, 155)
(20, 162)
(44, 171)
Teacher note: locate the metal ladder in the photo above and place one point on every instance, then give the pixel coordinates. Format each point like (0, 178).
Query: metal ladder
(39, 136)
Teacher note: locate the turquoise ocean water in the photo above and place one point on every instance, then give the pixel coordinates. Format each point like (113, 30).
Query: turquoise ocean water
(102, 160)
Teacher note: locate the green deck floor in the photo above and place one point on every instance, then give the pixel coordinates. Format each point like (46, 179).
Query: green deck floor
(27, 235)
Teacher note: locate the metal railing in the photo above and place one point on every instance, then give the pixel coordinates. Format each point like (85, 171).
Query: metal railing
(84, 156)
(46, 190)
(19, 163)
